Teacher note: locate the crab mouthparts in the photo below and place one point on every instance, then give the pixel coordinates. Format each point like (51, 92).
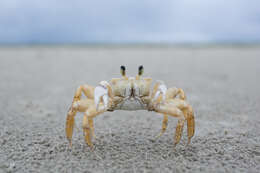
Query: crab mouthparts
(132, 102)
(132, 93)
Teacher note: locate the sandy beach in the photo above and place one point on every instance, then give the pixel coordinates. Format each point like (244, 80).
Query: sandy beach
(221, 83)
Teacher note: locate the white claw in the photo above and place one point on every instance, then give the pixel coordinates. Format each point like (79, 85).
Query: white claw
(105, 99)
(101, 91)
(162, 89)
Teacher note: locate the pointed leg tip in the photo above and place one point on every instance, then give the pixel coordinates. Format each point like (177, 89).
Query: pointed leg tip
(91, 146)
(70, 143)
(174, 146)
(89, 142)
(153, 140)
(156, 138)
(188, 143)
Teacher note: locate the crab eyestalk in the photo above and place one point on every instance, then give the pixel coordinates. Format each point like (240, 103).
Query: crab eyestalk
(140, 72)
(122, 70)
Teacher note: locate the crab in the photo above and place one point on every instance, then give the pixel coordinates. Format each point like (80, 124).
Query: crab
(130, 93)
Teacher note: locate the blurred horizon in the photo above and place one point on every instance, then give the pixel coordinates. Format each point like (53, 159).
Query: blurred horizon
(147, 22)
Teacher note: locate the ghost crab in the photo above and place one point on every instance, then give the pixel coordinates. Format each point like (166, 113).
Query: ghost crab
(130, 93)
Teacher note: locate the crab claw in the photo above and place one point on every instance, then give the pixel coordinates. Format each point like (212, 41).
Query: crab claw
(101, 93)
(162, 89)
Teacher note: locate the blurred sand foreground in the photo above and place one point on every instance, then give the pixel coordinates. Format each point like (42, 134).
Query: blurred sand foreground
(37, 85)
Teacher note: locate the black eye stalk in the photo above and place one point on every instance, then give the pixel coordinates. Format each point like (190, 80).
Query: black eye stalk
(140, 70)
(122, 70)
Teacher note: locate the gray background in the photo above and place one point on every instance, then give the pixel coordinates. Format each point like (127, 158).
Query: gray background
(37, 86)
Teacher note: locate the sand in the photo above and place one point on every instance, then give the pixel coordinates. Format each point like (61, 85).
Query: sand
(37, 86)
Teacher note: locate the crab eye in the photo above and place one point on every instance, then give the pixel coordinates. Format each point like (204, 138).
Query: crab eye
(122, 70)
(140, 70)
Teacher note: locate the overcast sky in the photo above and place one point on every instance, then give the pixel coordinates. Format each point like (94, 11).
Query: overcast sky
(129, 21)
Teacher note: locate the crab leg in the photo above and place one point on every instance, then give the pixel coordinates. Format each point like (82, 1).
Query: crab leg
(78, 106)
(178, 132)
(99, 105)
(174, 92)
(164, 126)
(87, 130)
(188, 113)
(86, 89)
(89, 93)
(190, 122)
(91, 124)
(87, 126)
(175, 112)
(182, 94)
(70, 124)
